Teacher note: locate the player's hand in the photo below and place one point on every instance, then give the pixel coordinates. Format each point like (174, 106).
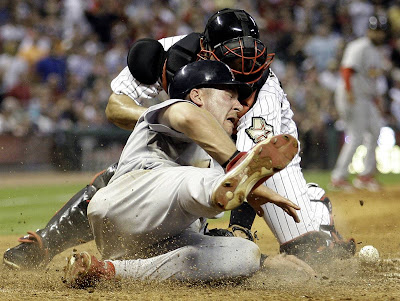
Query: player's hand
(287, 264)
(262, 195)
(350, 97)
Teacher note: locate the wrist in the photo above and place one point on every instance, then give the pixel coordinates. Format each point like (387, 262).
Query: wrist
(225, 164)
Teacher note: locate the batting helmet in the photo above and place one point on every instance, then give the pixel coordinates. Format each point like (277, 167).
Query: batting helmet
(232, 36)
(205, 73)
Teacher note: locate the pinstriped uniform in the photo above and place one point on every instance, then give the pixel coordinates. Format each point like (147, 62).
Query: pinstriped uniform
(270, 115)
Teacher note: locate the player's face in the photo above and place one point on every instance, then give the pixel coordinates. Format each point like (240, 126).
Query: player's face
(377, 37)
(223, 105)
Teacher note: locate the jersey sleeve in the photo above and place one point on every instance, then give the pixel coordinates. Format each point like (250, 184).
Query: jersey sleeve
(126, 84)
(352, 57)
(151, 117)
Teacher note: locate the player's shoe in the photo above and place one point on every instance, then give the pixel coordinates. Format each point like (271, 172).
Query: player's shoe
(340, 185)
(248, 170)
(31, 253)
(84, 270)
(368, 183)
(321, 246)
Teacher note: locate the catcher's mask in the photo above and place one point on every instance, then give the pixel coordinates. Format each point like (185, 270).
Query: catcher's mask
(246, 56)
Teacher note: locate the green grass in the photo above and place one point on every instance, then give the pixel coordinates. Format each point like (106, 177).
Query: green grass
(29, 208)
(323, 178)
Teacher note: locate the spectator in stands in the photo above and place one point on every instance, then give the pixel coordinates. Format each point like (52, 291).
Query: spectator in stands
(53, 67)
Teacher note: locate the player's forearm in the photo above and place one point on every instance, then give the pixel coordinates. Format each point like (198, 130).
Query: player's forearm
(123, 111)
(200, 126)
(210, 135)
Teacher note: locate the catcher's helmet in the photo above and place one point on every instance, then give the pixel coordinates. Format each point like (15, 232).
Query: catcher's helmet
(232, 36)
(228, 24)
(205, 73)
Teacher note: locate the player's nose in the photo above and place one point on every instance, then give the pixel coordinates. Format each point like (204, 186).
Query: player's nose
(237, 106)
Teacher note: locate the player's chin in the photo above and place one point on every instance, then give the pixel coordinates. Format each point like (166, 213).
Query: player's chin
(228, 127)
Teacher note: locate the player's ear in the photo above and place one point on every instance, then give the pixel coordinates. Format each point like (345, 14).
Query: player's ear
(196, 96)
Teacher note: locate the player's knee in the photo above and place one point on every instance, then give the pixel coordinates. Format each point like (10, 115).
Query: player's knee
(356, 140)
(243, 257)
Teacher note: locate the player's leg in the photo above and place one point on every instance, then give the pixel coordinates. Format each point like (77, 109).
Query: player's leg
(366, 179)
(307, 238)
(356, 125)
(67, 228)
(325, 244)
(166, 200)
(191, 257)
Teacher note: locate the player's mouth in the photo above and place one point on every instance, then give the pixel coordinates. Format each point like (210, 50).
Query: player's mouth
(232, 119)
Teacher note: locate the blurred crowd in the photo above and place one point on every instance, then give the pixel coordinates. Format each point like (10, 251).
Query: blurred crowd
(58, 57)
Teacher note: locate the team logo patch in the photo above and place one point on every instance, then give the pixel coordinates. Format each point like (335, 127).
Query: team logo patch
(259, 129)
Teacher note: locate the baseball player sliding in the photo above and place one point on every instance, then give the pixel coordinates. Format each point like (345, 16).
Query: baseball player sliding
(355, 100)
(149, 212)
(231, 36)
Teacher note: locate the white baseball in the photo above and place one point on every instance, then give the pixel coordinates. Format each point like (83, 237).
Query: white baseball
(368, 254)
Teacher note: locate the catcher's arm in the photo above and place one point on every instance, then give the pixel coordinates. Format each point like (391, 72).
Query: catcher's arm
(262, 195)
(123, 111)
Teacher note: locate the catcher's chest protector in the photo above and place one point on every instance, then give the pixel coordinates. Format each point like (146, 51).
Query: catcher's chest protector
(180, 54)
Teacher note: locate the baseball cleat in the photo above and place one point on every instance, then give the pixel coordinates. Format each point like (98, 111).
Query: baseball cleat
(84, 270)
(340, 185)
(31, 253)
(368, 183)
(248, 170)
(319, 247)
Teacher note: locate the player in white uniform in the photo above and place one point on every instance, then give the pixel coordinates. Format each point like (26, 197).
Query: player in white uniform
(148, 214)
(268, 113)
(355, 98)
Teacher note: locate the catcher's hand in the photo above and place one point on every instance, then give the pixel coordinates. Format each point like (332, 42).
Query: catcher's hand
(262, 195)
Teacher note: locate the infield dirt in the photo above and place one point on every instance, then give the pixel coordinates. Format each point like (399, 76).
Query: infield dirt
(370, 218)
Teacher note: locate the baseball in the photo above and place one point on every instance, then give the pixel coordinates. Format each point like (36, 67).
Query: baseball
(368, 254)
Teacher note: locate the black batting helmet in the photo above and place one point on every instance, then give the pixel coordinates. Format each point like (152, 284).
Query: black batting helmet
(232, 36)
(205, 73)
